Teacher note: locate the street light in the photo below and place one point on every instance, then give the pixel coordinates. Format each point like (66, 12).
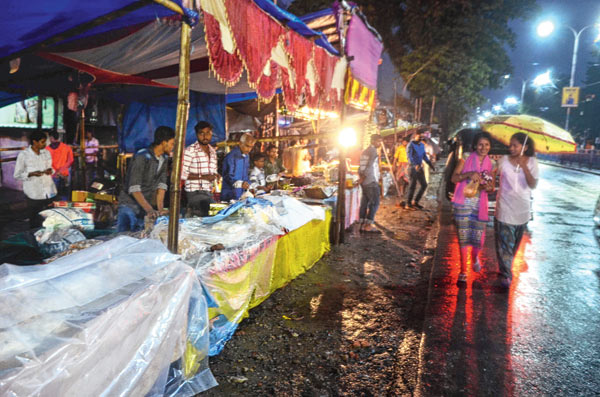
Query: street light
(539, 81)
(544, 30)
(542, 79)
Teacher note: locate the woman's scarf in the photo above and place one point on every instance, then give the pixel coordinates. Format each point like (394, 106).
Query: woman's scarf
(472, 164)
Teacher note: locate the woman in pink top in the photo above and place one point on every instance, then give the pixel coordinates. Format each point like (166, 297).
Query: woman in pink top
(471, 213)
(518, 177)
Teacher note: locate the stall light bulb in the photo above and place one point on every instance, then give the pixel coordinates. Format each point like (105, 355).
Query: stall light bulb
(347, 137)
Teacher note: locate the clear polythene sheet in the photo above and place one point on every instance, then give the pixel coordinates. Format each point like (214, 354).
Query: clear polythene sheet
(125, 317)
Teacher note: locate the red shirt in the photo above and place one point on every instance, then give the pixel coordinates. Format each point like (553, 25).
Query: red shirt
(62, 158)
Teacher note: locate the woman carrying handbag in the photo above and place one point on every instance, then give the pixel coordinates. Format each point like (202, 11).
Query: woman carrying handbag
(473, 179)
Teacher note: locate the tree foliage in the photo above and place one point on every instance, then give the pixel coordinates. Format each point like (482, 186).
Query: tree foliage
(463, 42)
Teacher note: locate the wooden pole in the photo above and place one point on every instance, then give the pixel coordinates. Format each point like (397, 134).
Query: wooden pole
(432, 111)
(183, 106)
(82, 147)
(416, 112)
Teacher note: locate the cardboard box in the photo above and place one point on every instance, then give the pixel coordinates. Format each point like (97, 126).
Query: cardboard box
(79, 195)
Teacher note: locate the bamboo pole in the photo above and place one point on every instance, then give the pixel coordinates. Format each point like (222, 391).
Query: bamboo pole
(183, 105)
(432, 111)
(82, 147)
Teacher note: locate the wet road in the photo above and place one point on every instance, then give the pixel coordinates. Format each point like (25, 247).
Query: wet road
(541, 337)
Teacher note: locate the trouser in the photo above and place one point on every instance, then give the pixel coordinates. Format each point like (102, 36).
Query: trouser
(508, 239)
(198, 202)
(369, 202)
(416, 176)
(128, 220)
(90, 173)
(34, 208)
(63, 185)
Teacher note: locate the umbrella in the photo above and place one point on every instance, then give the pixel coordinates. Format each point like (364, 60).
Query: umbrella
(548, 137)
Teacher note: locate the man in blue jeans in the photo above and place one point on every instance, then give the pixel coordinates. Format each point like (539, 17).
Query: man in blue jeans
(143, 192)
(415, 152)
(369, 181)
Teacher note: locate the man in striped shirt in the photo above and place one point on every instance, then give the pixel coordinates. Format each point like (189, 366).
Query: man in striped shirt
(200, 171)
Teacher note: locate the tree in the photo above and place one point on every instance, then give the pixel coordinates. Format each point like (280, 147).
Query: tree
(463, 41)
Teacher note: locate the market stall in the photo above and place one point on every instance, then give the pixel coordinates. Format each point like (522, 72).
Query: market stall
(247, 251)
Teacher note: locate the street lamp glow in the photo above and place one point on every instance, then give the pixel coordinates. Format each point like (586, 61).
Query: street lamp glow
(347, 137)
(542, 79)
(511, 100)
(545, 29)
(506, 76)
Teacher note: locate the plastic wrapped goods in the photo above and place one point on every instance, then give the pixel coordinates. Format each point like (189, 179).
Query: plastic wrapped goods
(125, 317)
(58, 218)
(246, 226)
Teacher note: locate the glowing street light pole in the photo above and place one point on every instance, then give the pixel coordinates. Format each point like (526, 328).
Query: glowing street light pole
(545, 29)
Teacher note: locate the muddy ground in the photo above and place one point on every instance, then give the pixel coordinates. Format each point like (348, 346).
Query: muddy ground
(349, 326)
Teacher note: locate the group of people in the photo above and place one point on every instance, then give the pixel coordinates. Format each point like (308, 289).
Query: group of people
(475, 179)
(411, 160)
(45, 170)
(146, 182)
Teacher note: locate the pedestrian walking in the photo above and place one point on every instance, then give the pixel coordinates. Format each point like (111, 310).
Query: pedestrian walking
(369, 180)
(471, 205)
(518, 176)
(34, 169)
(199, 171)
(416, 156)
(401, 166)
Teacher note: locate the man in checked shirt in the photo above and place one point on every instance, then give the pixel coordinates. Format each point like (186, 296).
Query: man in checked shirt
(200, 171)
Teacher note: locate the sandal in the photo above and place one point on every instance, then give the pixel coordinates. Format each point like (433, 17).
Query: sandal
(462, 279)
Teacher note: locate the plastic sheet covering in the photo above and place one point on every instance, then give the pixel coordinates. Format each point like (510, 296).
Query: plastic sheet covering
(293, 213)
(120, 318)
(244, 227)
(52, 242)
(240, 279)
(387, 181)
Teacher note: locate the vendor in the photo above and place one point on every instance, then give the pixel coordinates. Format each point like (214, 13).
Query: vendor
(273, 164)
(235, 169)
(199, 171)
(258, 181)
(143, 192)
(62, 158)
(34, 169)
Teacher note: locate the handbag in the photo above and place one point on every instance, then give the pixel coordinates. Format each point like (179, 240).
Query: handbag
(471, 189)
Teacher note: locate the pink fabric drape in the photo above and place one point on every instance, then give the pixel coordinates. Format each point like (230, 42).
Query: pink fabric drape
(473, 164)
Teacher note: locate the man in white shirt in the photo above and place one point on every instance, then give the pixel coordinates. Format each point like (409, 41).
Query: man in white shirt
(199, 171)
(34, 168)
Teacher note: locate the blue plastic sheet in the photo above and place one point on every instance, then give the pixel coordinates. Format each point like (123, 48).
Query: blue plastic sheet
(142, 118)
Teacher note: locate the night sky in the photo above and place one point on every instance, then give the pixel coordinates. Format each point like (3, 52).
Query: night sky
(533, 55)
(554, 52)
